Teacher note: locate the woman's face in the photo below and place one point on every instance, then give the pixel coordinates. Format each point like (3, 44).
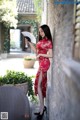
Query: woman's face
(41, 32)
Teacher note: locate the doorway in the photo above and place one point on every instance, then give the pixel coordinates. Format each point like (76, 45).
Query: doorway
(17, 41)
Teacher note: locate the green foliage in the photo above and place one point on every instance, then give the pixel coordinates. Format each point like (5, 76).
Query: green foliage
(38, 8)
(29, 58)
(6, 41)
(8, 13)
(13, 77)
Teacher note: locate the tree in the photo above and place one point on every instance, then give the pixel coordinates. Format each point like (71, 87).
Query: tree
(8, 13)
(38, 8)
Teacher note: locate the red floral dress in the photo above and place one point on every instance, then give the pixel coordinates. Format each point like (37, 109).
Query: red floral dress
(44, 63)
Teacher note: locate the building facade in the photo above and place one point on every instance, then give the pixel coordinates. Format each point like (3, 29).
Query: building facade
(26, 22)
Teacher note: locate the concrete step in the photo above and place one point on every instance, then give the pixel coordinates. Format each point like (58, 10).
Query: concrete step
(18, 54)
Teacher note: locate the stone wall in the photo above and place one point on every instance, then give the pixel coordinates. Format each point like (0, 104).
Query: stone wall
(71, 69)
(60, 20)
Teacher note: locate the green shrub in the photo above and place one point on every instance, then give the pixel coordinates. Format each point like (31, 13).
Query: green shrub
(13, 77)
(29, 58)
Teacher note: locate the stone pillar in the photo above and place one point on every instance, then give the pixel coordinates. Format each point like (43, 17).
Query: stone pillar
(60, 20)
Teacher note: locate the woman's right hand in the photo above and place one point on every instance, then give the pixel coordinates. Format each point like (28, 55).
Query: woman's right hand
(28, 40)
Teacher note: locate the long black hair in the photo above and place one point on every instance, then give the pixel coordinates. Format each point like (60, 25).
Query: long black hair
(47, 32)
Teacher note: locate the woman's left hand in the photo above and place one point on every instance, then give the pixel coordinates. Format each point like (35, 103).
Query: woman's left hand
(37, 57)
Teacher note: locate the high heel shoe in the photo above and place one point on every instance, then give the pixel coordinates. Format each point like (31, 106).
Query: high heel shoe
(36, 113)
(40, 116)
(44, 110)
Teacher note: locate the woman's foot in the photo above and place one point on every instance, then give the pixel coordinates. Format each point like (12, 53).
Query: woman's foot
(40, 116)
(40, 113)
(45, 108)
(36, 113)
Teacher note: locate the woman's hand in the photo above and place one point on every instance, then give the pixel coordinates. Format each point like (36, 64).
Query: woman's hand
(37, 57)
(48, 55)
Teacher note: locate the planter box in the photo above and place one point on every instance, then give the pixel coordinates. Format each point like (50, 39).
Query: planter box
(22, 86)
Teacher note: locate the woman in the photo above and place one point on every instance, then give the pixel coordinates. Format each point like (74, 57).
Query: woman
(43, 51)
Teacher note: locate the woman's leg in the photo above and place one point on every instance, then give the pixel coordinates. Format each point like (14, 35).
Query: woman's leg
(41, 98)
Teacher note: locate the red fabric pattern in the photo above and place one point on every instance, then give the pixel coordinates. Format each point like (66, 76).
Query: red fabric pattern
(42, 48)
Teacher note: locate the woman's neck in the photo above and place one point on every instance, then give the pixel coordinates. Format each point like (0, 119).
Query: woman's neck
(44, 37)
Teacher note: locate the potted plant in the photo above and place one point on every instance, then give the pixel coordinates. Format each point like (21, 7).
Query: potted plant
(18, 79)
(29, 61)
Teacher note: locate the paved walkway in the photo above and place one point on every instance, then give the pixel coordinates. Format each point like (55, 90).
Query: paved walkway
(15, 64)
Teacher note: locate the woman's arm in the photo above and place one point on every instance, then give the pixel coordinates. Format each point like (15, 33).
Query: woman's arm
(32, 47)
(48, 55)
